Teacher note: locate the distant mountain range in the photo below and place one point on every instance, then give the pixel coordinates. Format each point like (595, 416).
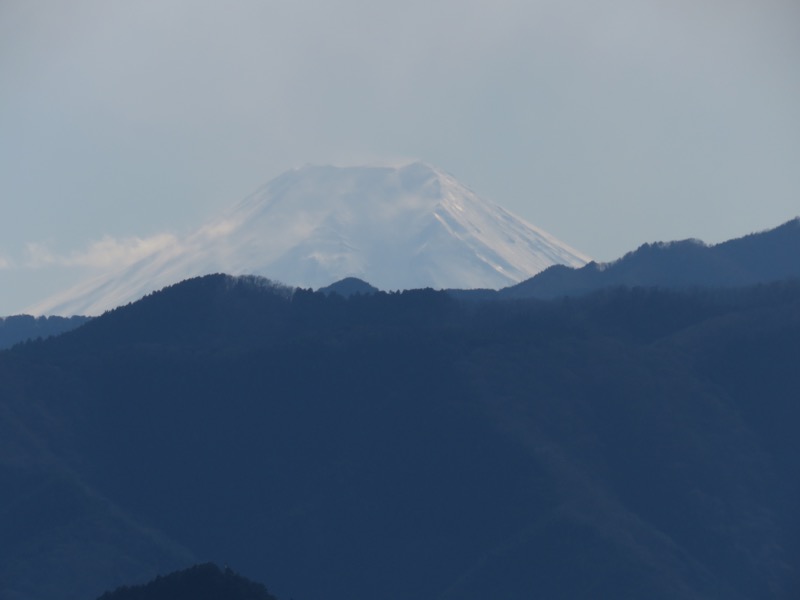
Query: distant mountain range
(637, 441)
(19, 328)
(762, 257)
(398, 228)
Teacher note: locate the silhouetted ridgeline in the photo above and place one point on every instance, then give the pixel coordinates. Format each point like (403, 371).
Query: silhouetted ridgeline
(349, 286)
(201, 582)
(763, 257)
(20, 328)
(632, 443)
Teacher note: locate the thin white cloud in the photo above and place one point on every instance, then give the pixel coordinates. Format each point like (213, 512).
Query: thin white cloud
(106, 253)
(217, 229)
(5, 263)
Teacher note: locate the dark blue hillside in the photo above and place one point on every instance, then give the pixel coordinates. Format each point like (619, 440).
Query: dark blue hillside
(201, 582)
(20, 328)
(627, 444)
(765, 257)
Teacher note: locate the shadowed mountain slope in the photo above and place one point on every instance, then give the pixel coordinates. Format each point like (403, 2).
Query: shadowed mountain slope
(757, 258)
(348, 287)
(201, 582)
(629, 444)
(18, 328)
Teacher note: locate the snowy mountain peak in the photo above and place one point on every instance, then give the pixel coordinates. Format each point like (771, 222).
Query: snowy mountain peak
(395, 227)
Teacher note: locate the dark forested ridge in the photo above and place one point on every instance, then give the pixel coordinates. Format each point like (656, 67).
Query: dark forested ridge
(20, 328)
(349, 286)
(756, 258)
(630, 443)
(200, 582)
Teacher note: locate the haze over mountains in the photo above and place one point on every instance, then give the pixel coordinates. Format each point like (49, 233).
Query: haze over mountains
(758, 258)
(397, 228)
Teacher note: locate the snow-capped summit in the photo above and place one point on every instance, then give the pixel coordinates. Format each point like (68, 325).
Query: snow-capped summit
(397, 228)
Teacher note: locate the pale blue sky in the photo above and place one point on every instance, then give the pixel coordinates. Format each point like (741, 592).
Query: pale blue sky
(608, 124)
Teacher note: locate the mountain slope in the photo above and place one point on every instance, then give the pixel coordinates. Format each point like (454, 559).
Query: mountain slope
(201, 582)
(630, 444)
(348, 287)
(19, 328)
(398, 228)
(763, 257)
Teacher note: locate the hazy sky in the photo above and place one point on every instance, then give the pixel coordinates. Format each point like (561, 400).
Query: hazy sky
(608, 124)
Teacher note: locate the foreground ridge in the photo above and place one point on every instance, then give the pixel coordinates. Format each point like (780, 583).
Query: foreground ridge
(402, 445)
(200, 582)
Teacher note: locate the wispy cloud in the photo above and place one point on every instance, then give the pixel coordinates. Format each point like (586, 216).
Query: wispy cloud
(106, 253)
(5, 263)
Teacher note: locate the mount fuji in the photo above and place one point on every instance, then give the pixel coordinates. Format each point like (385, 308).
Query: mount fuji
(408, 227)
